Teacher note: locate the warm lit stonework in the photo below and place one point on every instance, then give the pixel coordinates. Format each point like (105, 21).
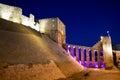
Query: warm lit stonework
(52, 27)
(98, 56)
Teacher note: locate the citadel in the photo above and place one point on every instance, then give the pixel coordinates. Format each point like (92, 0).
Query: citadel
(101, 55)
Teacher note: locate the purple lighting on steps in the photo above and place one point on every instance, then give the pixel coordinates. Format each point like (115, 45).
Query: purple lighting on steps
(79, 54)
(90, 64)
(68, 49)
(84, 57)
(85, 64)
(96, 64)
(102, 65)
(102, 62)
(74, 52)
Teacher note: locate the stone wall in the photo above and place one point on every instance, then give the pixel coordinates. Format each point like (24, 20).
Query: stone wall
(48, 71)
(101, 54)
(25, 20)
(52, 27)
(62, 31)
(117, 55)
(29, 21)
(10, 13)
(107, 49)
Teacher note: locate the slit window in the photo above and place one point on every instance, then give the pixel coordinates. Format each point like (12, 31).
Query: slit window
(84, 54)
(96, 56)
(90, 55)
(79, 53)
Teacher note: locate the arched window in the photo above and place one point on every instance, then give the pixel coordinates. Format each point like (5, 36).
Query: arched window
(84, 54)
(90, 55)
(68, 49)
(74, 52)
(101, 53)
(96, 54)
(79, 53)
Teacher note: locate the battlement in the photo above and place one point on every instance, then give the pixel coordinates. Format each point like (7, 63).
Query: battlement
(52, 27)
(98, 56)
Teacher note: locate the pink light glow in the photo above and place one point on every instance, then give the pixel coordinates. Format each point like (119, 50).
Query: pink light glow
(96, 64)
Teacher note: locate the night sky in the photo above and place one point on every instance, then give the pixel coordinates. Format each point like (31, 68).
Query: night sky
(85, 20)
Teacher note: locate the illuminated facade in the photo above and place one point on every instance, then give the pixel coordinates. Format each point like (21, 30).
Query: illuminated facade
(52, 27)
(98, 56)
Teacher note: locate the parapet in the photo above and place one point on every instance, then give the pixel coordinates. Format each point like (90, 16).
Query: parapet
(52, 27)
(10, 13)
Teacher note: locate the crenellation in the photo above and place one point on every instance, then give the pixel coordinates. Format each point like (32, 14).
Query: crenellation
(52, 27)
(24, 20)
(98, 56)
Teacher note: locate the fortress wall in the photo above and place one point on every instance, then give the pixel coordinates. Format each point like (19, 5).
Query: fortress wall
(24, 20)
(37, 27)
(62, 31)
(117, 54)
(53, 30)
(10, 13)
(30, 71)
(52, 27)
(46, 25)
(14, 14)
(29, 21)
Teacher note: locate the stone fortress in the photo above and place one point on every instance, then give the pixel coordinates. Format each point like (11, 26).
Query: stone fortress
(52, 27)
(101, 55)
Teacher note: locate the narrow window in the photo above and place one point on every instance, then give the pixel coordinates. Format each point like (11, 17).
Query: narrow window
(90, 55)
(74, 51)
(79, 53)
(84, 54)
(96, 56)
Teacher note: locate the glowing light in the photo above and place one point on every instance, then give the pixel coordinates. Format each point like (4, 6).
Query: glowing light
(68, 49)
(102, 65)
(43, 25)
(37, 27)
(90, 64)
(69, 46)
(73, 46)
(108, 49)
(85, 64)
(101, 38)
(108, 33)
(62, 32)
(5, 14)
(96, 65)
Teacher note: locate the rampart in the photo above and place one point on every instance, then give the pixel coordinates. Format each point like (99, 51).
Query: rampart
(52, 27)
(97, 56)
(10, 13)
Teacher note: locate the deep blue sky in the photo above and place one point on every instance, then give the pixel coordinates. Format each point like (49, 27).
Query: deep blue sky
(85, 20)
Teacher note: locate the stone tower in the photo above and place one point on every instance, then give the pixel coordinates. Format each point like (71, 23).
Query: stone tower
(54, 29)
(107, 49)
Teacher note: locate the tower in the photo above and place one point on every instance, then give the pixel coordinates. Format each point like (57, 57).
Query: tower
(54, 29)
(107, 49)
